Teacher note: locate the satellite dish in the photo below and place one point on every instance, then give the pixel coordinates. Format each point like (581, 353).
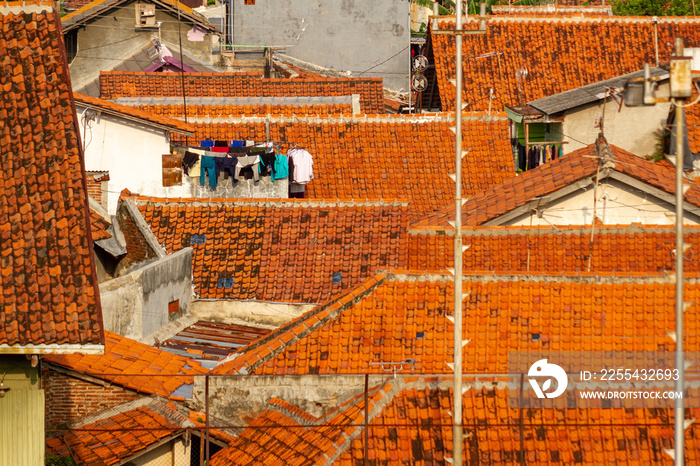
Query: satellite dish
(419, 83)
(420, 63)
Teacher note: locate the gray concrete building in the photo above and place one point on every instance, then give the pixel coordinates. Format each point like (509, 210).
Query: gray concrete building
(367, 38)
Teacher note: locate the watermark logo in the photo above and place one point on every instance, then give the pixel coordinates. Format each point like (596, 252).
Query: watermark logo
(542, 369)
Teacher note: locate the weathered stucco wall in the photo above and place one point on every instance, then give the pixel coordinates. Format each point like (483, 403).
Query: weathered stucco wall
(632, 129)
(256, 314)
(346, 35)
(236, 398)
(243, 189)
(137, 167)
(618, 204)
(106, 41)
(136, 305)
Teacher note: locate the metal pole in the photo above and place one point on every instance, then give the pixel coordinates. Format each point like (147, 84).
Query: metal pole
(366, 419)
(457, 430)
(206, 420)
(679, 416)
(410, 59)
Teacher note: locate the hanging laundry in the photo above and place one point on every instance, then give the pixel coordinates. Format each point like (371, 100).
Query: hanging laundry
(303, 166)
(543, 150)
(235, 143)
(522, 157)
(267, 161)
(249, 161)
(188, 161)
(220, 149)
(238, 151)
(281, 167)
(227, 165)
(208, 167)
(221, 144)
(206, 143)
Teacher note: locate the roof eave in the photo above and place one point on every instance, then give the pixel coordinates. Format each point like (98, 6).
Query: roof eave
(145, 121)
(52, 349)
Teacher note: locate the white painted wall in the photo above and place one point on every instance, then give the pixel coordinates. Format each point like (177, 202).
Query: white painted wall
(631, 129)
(253, 313)
(132, 154)
(618, 204)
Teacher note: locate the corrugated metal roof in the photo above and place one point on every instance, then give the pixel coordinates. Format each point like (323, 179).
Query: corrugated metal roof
(590, 93)
(209, 341)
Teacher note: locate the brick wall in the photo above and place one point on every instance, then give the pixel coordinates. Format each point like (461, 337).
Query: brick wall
(69, 398)
(97, 186)
(137, 247)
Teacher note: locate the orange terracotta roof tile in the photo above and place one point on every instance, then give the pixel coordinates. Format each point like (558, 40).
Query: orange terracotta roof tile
(170, 123)
(397, 157)
(284, 434)
(284, 251)
(559, 54)
(115, 84)
(624, 249)
(118, 433)
(137, 366)
(404, 318)
(217, 111)
(553, 176)
(410, 423)
(559, 9)
(50, 295)
(98, 226)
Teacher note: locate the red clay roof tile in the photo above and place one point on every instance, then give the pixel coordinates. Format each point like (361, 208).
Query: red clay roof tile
(552, 176)
(626, 249)
(135, 365)
(176, 125)
(50, 295)
(404, 318)
(395, 157)
(559, 54)
(115, 84)
(280, 250)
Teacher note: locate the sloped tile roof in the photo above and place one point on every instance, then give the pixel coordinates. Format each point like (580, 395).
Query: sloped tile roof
(409, 423)
(169, 123)
(553, 176)
(95, 8)
(118, 433)
(402, 318)
(136, 366)
(559, 54)
(559, 9)
(99, 226)
(624, 249)
(493, 432)
(279, 250)
(217, 111)
(115, 84)
(283, 434)
(378, 157)
(50, 300)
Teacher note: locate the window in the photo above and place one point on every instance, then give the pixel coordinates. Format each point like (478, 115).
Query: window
(71, 42)
(145, 15)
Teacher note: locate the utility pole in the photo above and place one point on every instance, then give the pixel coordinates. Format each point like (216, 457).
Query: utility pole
(642, 91)
(457, 427)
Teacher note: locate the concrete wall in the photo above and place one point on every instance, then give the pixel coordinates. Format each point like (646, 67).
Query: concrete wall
(106, 41)
(346, 35)
(174, 453)
(618, 204)
(253, 313)
(136, 305)
(132, 154)
(236, 398)
(228, 188)
(631, 129)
